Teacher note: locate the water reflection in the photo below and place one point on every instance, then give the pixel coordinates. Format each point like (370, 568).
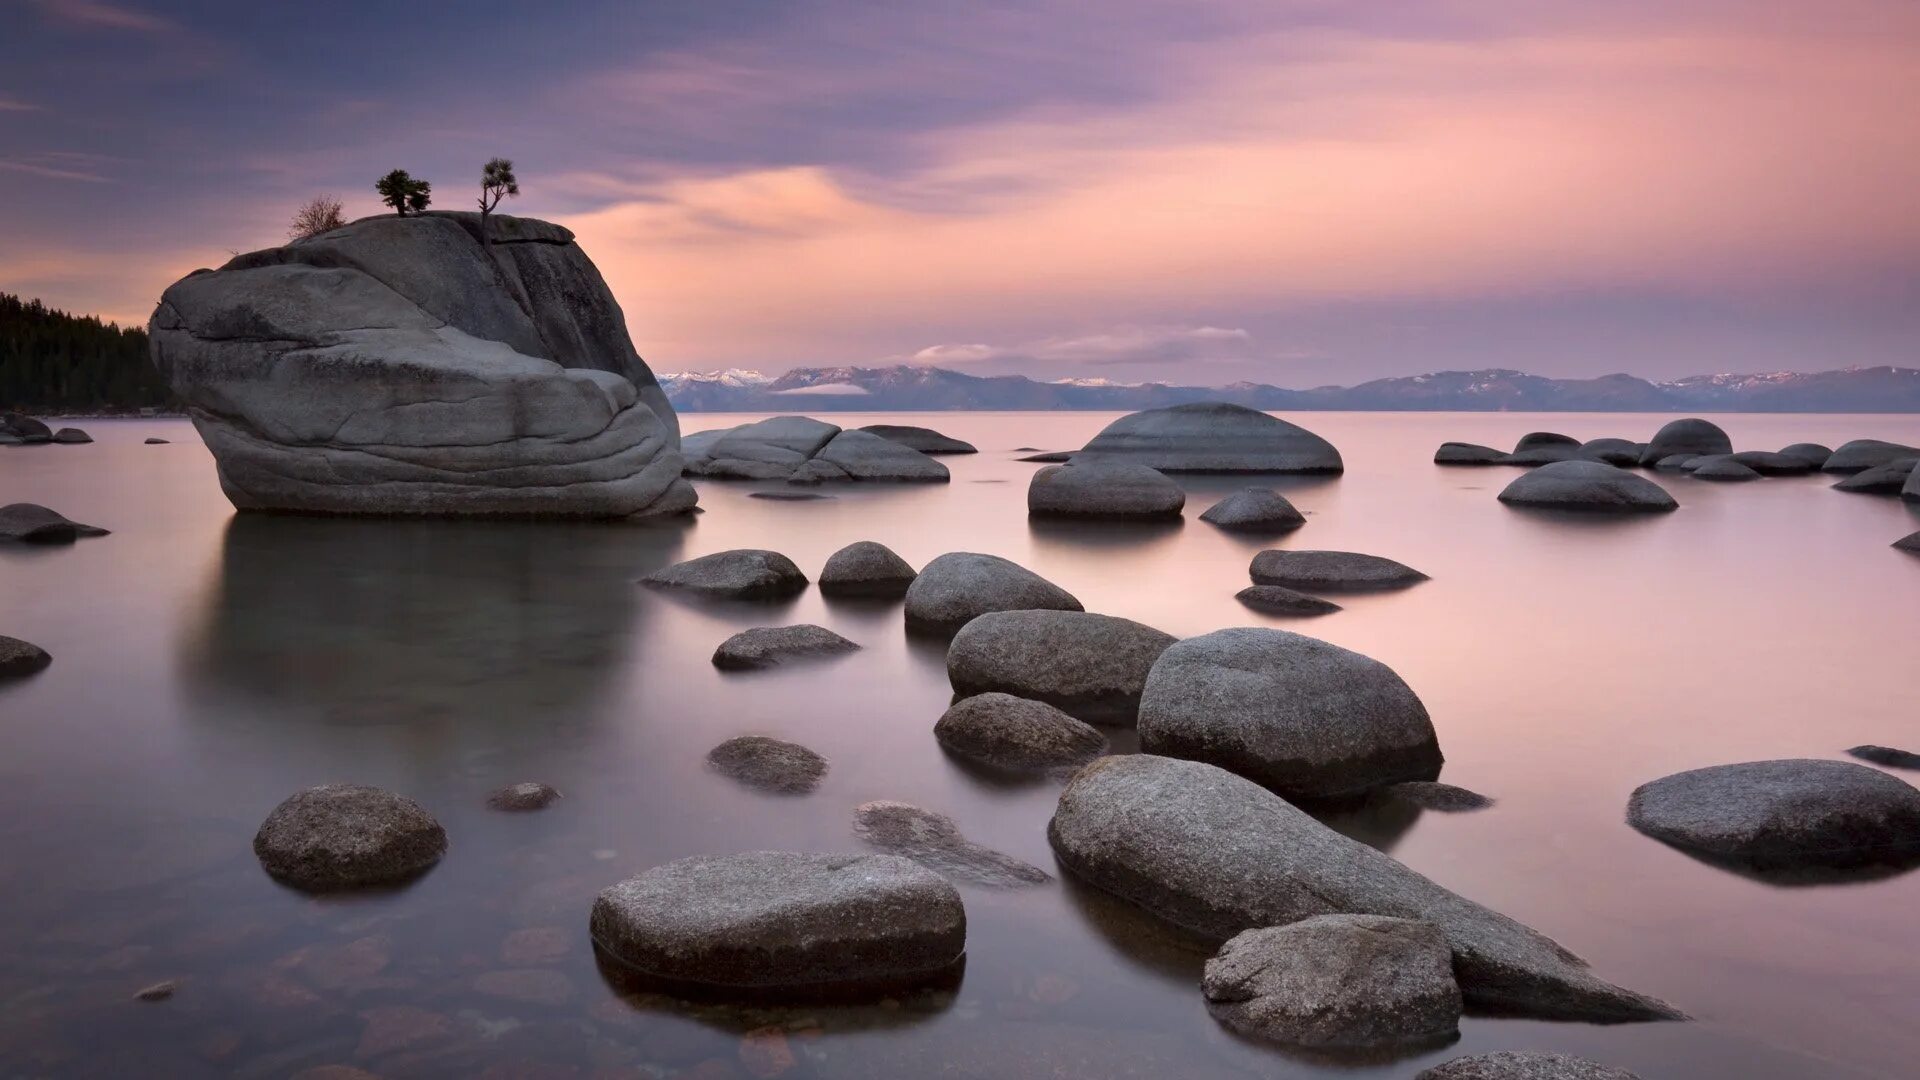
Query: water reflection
(1102, 533)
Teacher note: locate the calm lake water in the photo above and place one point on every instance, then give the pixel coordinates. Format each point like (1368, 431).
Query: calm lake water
(207, 665)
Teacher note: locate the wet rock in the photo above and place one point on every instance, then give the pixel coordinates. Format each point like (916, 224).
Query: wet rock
(393, 1028)
(925, 440)
(771, 919)
(24, 428)
(1523, 1065)
(1587, 486)
(1676, 462)
(533, 946)
(934, 841)
(19, 659)
(331, 966)
(1622, 452)
(1465, 453)
(71, 435)
(1887, 755)
(1725, 470)
(1331, 571)
(1768, 463)
(1688, 436)
(1909, 542)
(769, 764)
(1260, 510)
(1280, 600)
(159, 991)
(1016, 733)
(157, 441)
(1337, 981)
(1885, 479)
(743, 573)
(1433, 795)
(345, 836)
(1814, 454)
(1049, 457)
(860, 455)
(1303, 717)
(1862, 454)
(30, 523)
(959, 586)
(1218, 854)
(522, 797)
(1091, 666)
(766, 646)
(866, 568)
(1540, 440)
(530, 986)
(1785, 813)
(1104, 489)
(1212, 436)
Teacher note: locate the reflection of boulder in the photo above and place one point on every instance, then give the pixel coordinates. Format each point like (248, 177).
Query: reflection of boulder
(389, 620)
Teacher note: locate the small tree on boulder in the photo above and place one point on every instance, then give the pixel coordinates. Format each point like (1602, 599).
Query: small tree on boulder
(401, 191)
(496, 182)
(319, 214)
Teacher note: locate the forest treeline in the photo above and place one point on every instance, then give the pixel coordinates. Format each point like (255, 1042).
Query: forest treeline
(52, 362)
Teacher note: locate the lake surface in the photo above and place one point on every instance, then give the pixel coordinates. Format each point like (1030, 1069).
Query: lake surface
(207, 665)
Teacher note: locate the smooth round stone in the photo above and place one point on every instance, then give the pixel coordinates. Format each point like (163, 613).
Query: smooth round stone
(1885, 479)
(1337, 981)
(1587, 486)
(1861, 454)
(523, 797)
(779, 919)
(743, 573)
(1814, 454)
(766, 646)
(1011, 732)
(866, 568)
(1796, 811)
(18, 658)
(1213, 436)
(958, 587)
(1725, 470)
(1091, 666)
(1300, 716)
(1464, 453)
(935, 842)
(1331, 571)
(71, 435)
(31, 523)
(1622, 452)
(1540, 440)
(1691, 435)
(1280, 600)
(1104, 489)
(347, 836)
(1436, 796)
(1523, 1065)
(769, 764)
(1261, 510)
(1886, 755)
(925, 440)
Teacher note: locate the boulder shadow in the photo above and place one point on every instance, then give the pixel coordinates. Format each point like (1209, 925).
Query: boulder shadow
(1166, 951)
(1092, 532)
(1834, 868)
(864, 1005)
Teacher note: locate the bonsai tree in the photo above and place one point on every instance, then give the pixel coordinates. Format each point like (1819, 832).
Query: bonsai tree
(319, 214)
(496, 182)
(401, 191)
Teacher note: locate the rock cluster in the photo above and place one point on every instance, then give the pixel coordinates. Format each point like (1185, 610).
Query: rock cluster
(802, 450)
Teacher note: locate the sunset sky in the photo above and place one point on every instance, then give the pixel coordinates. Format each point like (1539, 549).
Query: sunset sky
(1292, 192)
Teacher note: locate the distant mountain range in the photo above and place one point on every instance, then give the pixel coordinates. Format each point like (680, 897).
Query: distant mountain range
(909, 388)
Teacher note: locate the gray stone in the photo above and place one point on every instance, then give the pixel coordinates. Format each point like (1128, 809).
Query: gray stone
(925, 440)
(1622, 452)
(789, 496)
(397, 366)
(1676, 462)
(1016, 733)
(347, 836)
(1689, 436)
(1337, 981)
(803, 450)
(25, 428)
(1911, 492)
(1090, 666)
(744, 573)
(1212, 437)
(1861, 454)
(1795, 811)
(1433, 795)
(1813, 453)
(523, 797)
(1587, 486)
(159, 991)
(1217, 854)
(1259, 510)
(1523, 1065)
(1768, 463)
(1465, 453)
(866, 568)
(71, 435)
(1540, 440)
(1280, 600)
(934, 841)
(1331, 571)
(769, 764)
(1911, 541)
(1303, 717)
(1104, 489)
(1886, 479)
(30, 523)
(773, 919)
(1541, 455)
(766, 646)
(157, 441)
(1724, 470)
(19, 659)
(861, 455)
(1049, 457)
(1887, 755)
(959, 586)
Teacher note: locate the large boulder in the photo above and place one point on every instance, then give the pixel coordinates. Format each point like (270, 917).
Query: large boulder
(1301, 716)
(777, 919)
(1466, 453)
(1523, 1065)
(1104, 489)
(925, 440)
(1337, 981)
(767, 646)
(348, 836)
(1218, 854)
(23, 428)
(1212, 436)
(19, 659)
(1780, 814)
(1860, 454)
(866, 568)
(1091, 666)
(399, 366)
(30, 523)
(1587, 486)
(803, 450)
(1689, 436)
(960, 586)
(1888, 479)
(1331, 571)
(1016, 733)
(1255, 510)
(743, 573)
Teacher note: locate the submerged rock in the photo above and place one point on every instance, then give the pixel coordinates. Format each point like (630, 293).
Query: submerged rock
(1433, 795)
(1861, 454)
(1011, 732)
(523, 797)
(1587, 486)
(959, 586)
(347, 836)
(1887, 755)
(1104, 489)
(766, 646)
(1261, 510)
(31, 523)
(743, 573)
(1676, 462)
(769, 764)
(1331, 571)
(925, 440)
(1280, 600)
(1691, 435)
(1337, 981)
(19, 659)
(1886, 479)
(773, 919)
(804, 450)
(934, 841)
(1725, 470)
(865, 568)
(1791, 812)
(159, 991)
(1523, 1065)
(1090, 666)
(157, 441)
(1464, 453)
(1212, 436)
(71, 435)
(1301, 716)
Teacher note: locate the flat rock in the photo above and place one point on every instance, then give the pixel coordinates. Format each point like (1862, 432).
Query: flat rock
(1587, 486)
(864, 456)
(1541, 455)
(769, 764)
(346, 836)
(1104, 489)
(1218, 854)
(1331, 571)
(1303, 717)
(925, 440)
(772, 919)
(1433, 795)
(19, 659)
(1090, 666)
(1861, 454)
(934, 841)
(1691, 435)
(71, 435)
(743, 573)
(1018, 733)
(1261, 510)
(1769, 463)
(156, 441)
(1540, 440)
(1886, 479)
(789, 496)
(1280, 600)
(766, 646)
(1337, 981)
(960, 586)
(1785, 813)
(1465, 453)
(800, 449)
(866, 568)
(1213, 436)
(30, 523)
(1886, 755)
(1049, 457)
(1724, 470)
(523, 797)
(1523, 1065)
